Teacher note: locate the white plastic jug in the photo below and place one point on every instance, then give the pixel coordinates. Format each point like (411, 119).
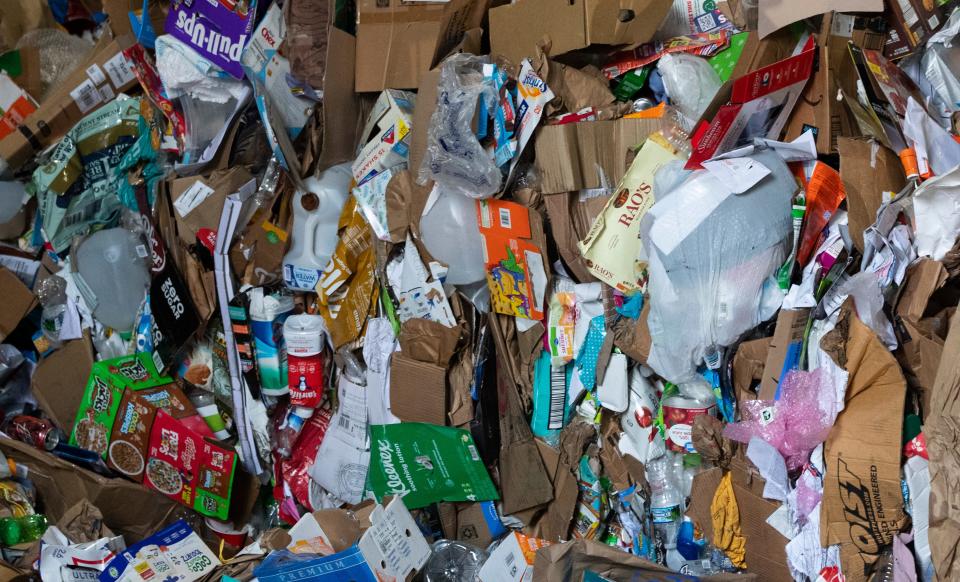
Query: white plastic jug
(316, 212)
(114, 276)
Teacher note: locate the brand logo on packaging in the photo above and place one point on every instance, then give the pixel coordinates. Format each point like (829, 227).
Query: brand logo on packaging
(101, 395)
(864, 512)
(132, 370)
(210, 40)
(394, 482)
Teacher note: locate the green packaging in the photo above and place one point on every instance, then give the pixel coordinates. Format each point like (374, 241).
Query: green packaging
(101, 399)
(426, 463)
(631, 83)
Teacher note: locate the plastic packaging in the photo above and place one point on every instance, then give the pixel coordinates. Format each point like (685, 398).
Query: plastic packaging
(18, 530)
(454, 157)
(267, 315)
(112, 265)
(691, 84)
(796, 423)
(450, 232)
(316, 213)
(304, 335)
(206, 406)
(709, 255)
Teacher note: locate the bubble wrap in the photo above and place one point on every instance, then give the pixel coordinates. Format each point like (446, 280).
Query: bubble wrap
(801, 418)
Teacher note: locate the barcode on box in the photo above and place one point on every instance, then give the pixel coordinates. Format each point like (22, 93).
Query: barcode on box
(558, 392)
(505, 218)
(86, 96)
(82, 214)
(511, 558)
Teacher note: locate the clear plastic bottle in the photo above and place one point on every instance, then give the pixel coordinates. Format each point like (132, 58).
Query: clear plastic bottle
(665, 499)
(52, 293)
(289, 431)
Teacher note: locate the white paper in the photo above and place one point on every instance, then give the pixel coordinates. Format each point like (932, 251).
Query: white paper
(309, 538)
(917, 473)
(805, 556)
(233, 209)
(419, 297)
(738, 174)
(191, 198)
(780, 521)
(378, 346)
(772, 467)
(343, 458)
(936, 205)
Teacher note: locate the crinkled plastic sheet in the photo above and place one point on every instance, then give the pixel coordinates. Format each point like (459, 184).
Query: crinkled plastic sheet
(710, 255)
(802, 418)
(454, 158)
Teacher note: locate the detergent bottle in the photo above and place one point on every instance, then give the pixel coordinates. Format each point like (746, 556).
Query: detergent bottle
(316, 212)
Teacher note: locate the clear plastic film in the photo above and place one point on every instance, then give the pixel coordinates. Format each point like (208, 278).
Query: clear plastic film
(691, 84)
(454, 157)
(711, 253)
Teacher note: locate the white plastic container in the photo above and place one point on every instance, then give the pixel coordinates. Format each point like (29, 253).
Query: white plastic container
(114, 276)
(316, 212)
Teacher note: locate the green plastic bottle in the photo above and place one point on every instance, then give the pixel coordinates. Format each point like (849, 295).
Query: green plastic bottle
(18, 530)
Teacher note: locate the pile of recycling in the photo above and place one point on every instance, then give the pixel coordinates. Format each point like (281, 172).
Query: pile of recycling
(469, 291)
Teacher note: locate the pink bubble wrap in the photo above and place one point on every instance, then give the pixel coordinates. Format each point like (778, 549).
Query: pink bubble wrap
(801, 419)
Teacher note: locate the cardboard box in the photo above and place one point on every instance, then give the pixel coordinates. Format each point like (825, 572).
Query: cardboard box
(867, 170)
(101, 399)
(512, 560)
(18, 301)
(784, 352)
(516, 272)
(128, 508)
(188, 468)
(15, 105)
(130, 437)
(911, 23)
(398, 41)
(818, 108)
(567, 155)
(515, 29)
(385, 135)
(104, 74)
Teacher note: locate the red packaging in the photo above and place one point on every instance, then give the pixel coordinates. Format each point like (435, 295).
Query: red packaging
(305, 374)
(186, 467)
(294, 469)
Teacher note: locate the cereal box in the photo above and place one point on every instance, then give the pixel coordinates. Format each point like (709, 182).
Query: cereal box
(185, 466)
(101, 399)
(130, 437)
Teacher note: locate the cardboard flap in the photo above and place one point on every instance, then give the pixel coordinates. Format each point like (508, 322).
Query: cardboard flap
(624, 21)
(341, 111)
(18, 301)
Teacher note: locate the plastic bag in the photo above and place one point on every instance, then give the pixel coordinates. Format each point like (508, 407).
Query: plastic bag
(709, 253)
(691, 84)
(454, 157)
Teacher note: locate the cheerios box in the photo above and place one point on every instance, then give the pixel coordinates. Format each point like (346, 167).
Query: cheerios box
(130, 437)
(191, 469)
(101, 399)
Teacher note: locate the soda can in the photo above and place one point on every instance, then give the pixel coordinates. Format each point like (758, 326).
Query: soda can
(37, 432)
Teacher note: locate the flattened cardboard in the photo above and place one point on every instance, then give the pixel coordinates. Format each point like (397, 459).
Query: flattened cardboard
(515, 29)
(524, 482)
(59, 394)
(784, 349)
(18, 301)
(207, 212)
(429, 87)
(867, 169)
(569, 219)
(567, 155)
(773, 16)
(942, 429)
(418, 391)
(862, 507)
(748, 366)
(921, 338)
(571, 560)
(766, 547)
(59, 112)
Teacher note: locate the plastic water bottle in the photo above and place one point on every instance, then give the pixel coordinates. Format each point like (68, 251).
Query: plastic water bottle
(316, 212)
(665, 500)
